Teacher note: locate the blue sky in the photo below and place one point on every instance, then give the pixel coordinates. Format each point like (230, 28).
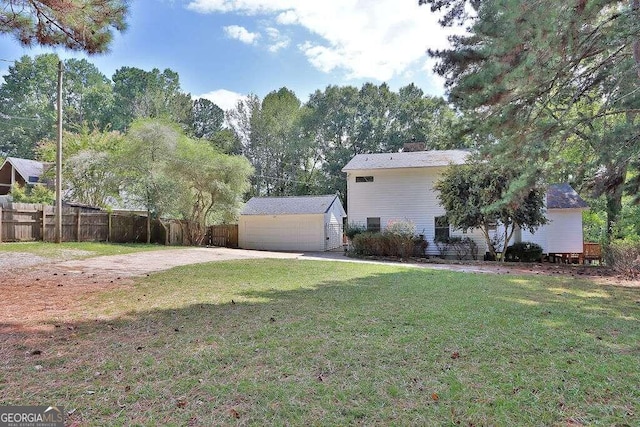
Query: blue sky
(224, 49)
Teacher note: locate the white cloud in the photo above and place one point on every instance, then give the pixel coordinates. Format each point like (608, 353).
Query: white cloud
(380, 39)
(237, 32)
(277, 41)
(225, 99)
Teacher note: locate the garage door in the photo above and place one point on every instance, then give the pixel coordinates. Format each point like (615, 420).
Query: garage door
(282, 233)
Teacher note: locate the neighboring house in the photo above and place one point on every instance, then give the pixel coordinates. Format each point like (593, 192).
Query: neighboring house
(22, 172)
(387, 187)
(301, 223)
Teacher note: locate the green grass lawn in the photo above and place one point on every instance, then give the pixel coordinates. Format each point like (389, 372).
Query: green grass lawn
(293, 342)
(69, 250)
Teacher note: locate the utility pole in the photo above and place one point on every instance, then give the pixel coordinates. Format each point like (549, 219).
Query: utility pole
(58, 211)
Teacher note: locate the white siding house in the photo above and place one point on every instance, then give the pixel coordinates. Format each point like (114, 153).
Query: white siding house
(382, 188)
(302, 223)
(386, 187)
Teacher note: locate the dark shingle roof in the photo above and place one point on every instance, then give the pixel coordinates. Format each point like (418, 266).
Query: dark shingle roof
(295, 205)
(414, 159)
(562, 196)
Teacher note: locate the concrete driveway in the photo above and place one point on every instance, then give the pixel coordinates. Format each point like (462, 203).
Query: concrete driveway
(142, 263)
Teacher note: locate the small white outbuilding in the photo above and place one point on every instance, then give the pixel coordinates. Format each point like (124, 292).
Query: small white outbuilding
(299, 223)
(562, 234)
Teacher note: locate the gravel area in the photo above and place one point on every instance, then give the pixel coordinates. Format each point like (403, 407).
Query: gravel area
(11, 260)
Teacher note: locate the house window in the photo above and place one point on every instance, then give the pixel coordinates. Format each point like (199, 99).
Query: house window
(33, 179)
(373, 224)
(441, 228)
(364, 179)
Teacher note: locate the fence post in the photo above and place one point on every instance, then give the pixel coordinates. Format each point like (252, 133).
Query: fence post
(78, 227)
(109, 228)
(44, 223)
(0, 224)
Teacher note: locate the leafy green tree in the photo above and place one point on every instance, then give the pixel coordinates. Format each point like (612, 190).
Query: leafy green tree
(85, 25)
(423, 118)
(90, 165)
(36, 194)
(226, 141)
(272, 139)
(87, 95)
(28, 101)
(374, 108)
(216, 182)
(330, 122)
(149, 94)
(27, 104)
(473, 196)
(148, 149)
(207, 119)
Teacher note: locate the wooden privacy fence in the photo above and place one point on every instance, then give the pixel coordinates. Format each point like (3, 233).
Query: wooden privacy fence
(28, 222)
(223, 235)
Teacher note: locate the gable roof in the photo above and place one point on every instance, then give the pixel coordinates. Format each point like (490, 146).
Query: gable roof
(562, 196)
(413, 159)
(25, 167)
(294, 205)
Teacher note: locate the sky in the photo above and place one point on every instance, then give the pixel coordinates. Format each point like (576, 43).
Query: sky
(226, 49)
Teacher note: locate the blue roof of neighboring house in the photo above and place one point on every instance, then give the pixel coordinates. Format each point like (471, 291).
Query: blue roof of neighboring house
(411, 159)
(294, 205)
(26, 168)
(563, 196)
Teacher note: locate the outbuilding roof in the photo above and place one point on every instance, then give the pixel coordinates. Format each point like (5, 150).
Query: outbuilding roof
(28, 169)
(563, 196)
(294, 205)
(414, 159)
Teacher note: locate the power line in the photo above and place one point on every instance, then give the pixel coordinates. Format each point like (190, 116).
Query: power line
(8, 117)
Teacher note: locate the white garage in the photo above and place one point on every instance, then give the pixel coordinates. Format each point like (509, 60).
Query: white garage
(300, 223)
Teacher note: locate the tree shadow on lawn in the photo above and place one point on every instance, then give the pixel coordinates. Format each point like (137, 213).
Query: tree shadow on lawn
(405, 346)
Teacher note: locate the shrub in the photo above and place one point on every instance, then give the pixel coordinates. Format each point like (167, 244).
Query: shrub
(524, 252)
(401, 228)
(367, 243)
(388, 244)
(351, 230)
(623, 256)
(464, 247)
(36, 194)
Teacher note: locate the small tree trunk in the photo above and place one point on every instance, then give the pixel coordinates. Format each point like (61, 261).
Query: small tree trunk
(148, 227)
(485, 233)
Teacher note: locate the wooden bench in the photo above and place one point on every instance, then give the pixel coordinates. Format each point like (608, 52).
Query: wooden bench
(590, 252)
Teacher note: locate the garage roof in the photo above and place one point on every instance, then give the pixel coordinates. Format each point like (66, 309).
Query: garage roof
(295, 205)
(414, 159)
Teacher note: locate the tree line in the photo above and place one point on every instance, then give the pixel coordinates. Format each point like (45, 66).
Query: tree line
(28, 102)
(294, 147)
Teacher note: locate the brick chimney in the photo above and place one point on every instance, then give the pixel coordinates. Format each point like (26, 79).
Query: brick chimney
(413, 146)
